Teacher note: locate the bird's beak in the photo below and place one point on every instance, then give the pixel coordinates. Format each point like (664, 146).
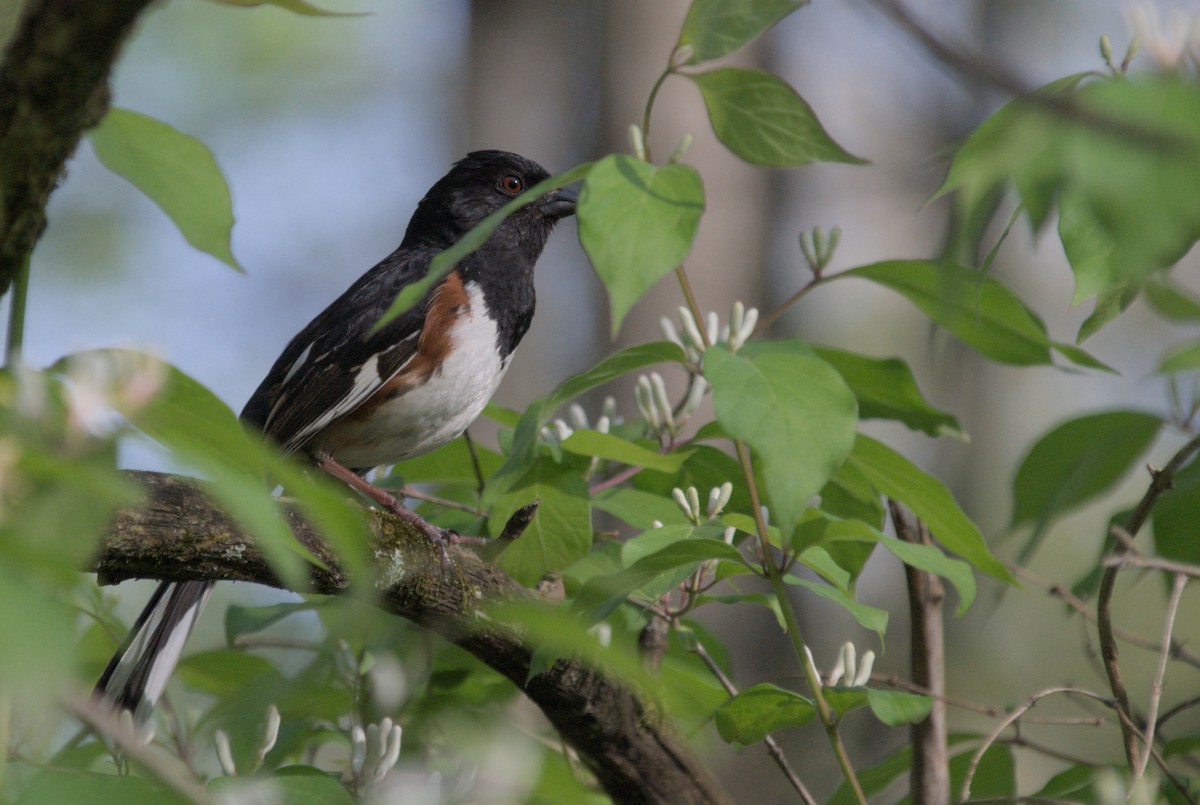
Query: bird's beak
(558, 203)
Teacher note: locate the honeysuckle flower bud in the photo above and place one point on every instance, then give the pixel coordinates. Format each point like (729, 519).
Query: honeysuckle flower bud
(358, 749)
(578, 416)
(644, 396)
(390, 754)
(718, 498)
(864, 669)
(224, 754)
(729, 534)
(695, 396)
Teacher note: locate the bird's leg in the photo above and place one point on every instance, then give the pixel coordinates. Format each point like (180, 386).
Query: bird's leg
(438, 536)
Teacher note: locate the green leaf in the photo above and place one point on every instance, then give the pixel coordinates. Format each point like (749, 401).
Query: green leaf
(819, 528)
(295, 6)
(897, 477)
(560, 533)
(757, 116)
(1075, 783)
(980, 311)
(896, 707)
(470, 242)
(614, 448)
(241, 620)
(1076, 462)
(524, 443)
(868, 617)
(886, 389)
(636, 223)
(995, 776)
(1175, 515)
(222, 671)
(1173, 302)
(53, 786)
(1110, 303)
(716, 28)
(684, 551)
(291, 785)
(202, 432)
(638, 507)
(758, 711)
(1124, 164)
(793, 409)
(176, 171)
(1183, 357)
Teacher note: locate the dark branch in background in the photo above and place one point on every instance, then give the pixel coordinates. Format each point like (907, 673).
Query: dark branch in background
(1160, 481)
(178, 534)
(53, 87)
(926, 597)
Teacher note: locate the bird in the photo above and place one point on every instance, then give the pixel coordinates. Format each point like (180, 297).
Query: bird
(348, 397)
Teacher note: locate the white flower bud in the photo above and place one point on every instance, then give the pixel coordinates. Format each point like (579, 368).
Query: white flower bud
(661, 400)
(718, 498)
(690, 328)
(358, 748)
(864, 669)
(224, 754)
(578, 416)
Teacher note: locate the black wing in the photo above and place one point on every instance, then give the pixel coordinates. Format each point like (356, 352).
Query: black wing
(334, 364)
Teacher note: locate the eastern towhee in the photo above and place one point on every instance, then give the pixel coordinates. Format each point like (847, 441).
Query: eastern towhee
(350, 399)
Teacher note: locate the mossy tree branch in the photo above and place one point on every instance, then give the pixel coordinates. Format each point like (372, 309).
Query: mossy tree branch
(179, 534)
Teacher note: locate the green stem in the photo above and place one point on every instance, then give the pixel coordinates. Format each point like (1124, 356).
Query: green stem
(828, 719)
(649, 106)
(16, 314)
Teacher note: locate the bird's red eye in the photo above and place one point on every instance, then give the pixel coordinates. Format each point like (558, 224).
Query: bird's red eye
(511, 185)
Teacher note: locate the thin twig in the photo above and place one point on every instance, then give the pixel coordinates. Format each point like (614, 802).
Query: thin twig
(1156, 687)
(965, 791)
(1178, 650)
(772, 745)
(1160, 481)
(1021, 742)
(891, 680)
(1152, 563)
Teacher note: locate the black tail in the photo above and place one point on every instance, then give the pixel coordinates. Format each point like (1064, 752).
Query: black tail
(138, 672)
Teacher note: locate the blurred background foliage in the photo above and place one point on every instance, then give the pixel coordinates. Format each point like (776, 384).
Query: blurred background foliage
(329, 129)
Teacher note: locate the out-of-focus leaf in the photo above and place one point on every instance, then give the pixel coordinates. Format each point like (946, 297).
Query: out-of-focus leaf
(897, 477)
(295, 6)
(1124, 164)
(560, 533)
(613, 448)
(222, 671)
(1110, 303)
(291, 785)
(524, 443)
(53, 786)
(1184, 357)
(897, 707)
(980, 311)
(176, 171)
(886, 389)
(636, 223)
(1075, 462)
(758, 711)
(795, 412)
(995, 776)
(241, 620)
(1172, 301)
(1175, 515)
(716, 28)
(757, 116)
(1074, 784)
